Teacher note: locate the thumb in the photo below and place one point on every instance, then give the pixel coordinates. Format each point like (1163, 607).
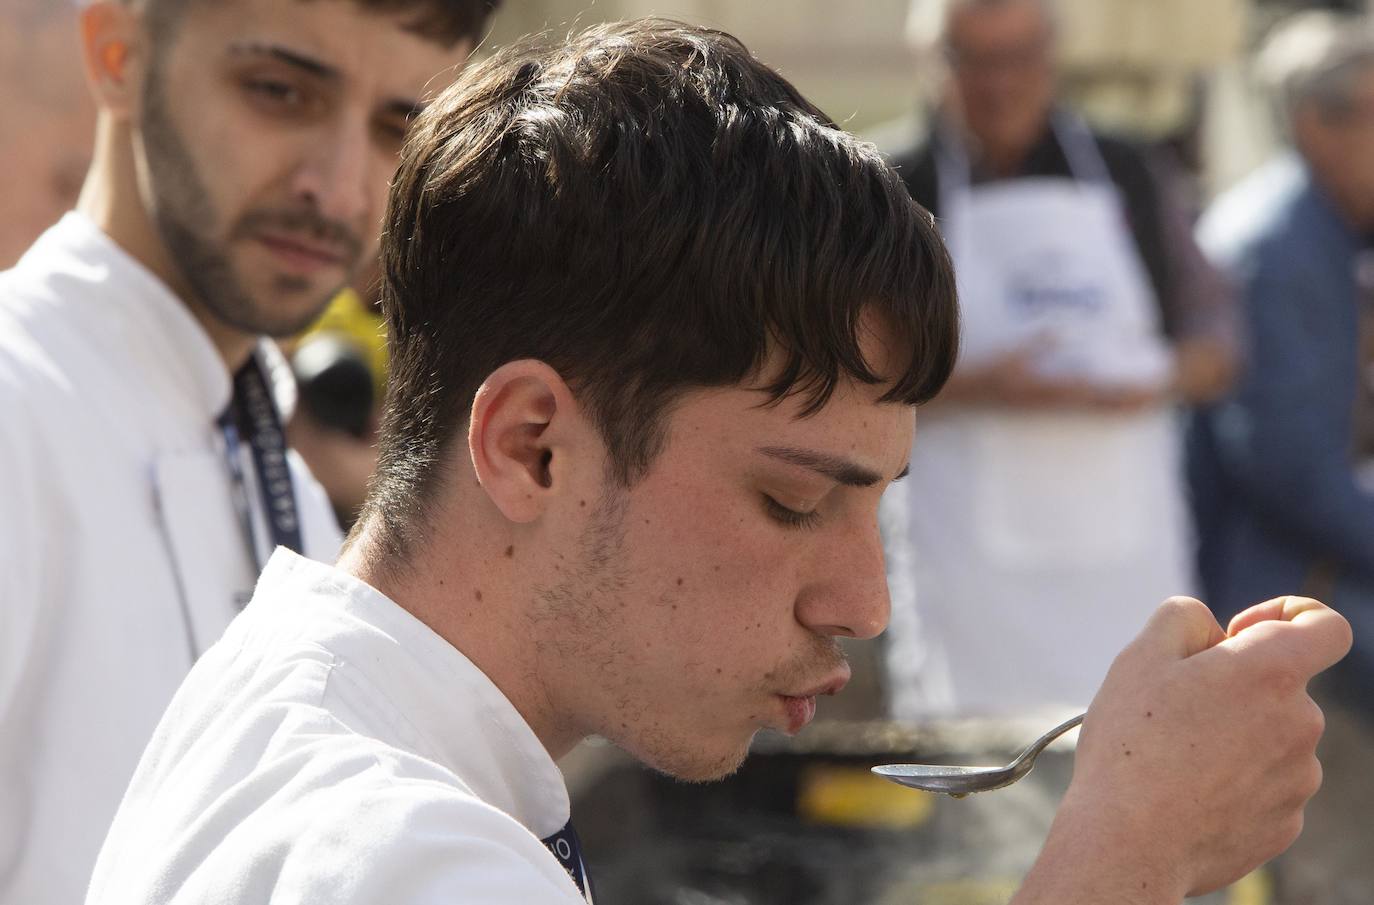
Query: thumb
(1280, 609)
(1180, 628)
(1313, 635)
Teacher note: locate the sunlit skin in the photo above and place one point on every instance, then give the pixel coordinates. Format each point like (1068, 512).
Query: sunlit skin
(681, 616)
(1003, 78)
(286, 119)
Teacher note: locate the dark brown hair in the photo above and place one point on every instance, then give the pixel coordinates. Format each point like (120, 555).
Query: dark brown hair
(445, 21)
(648, 209)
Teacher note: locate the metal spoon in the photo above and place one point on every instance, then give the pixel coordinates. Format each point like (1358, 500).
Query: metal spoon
(961, 781)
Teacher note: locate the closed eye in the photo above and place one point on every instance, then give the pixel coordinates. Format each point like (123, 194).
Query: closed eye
(790, 518)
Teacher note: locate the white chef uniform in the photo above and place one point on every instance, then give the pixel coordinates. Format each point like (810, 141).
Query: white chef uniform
(333, 748)
(1027, 548)
(124, 555)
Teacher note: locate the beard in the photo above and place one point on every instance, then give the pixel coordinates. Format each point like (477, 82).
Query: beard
(185, 218)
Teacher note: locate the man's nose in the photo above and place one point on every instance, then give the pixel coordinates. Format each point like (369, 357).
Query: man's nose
(334, 175)
(849, 596)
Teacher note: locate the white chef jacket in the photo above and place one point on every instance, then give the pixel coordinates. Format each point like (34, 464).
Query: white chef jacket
(122, 555)
(332, 748)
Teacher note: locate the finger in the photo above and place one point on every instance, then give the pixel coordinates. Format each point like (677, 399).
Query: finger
(1182, 627)
(1315, 638)
(1280, 608)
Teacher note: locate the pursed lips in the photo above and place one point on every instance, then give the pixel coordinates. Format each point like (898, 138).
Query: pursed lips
(800, 708)
(830, 687)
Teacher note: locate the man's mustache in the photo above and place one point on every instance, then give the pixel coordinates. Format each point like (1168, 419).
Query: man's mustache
(308, 223)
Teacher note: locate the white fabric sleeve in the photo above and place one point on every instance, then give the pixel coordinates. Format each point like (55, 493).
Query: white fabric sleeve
(24, 535)
(402, 842)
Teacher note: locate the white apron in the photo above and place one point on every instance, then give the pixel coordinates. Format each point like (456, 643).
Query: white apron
(1027, 548)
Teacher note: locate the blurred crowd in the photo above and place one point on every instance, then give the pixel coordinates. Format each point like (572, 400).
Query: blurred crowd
(1166, 383)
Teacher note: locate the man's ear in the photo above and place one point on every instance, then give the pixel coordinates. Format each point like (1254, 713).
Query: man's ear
(114, 50)
(525, 424)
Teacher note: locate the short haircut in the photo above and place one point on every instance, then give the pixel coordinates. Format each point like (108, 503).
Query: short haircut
(447, 22)
(1312, 59)
(648, 209)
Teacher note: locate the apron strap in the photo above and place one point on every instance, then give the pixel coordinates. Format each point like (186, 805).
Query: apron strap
(954, 172)
(1086, 163)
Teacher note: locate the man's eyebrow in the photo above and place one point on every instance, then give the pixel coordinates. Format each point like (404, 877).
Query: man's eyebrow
(290, 57)
(405, 108)
(836, 468)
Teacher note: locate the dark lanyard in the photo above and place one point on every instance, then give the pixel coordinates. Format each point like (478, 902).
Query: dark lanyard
(252, 417)
(568, 850)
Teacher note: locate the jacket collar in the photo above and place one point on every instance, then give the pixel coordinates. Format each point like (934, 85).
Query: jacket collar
(441, 706)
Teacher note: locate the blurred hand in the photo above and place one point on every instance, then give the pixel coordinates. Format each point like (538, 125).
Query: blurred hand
(1197, 756)
(1127, 399)
(1204, 370)
(1016, 380)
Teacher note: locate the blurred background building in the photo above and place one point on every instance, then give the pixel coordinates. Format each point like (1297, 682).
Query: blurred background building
(1152, 68)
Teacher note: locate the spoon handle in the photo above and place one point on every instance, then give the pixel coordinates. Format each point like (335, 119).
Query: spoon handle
(1039, 744)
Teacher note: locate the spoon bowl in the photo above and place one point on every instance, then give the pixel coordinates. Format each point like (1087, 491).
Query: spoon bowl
(961, 781)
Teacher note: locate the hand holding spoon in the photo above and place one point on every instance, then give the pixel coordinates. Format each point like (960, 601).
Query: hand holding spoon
(961, 781)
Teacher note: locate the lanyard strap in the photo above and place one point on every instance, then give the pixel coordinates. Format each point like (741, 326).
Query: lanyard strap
(252, 416)
(568, 850)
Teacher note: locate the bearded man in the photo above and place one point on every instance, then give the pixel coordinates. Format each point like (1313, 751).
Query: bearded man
(240, 167)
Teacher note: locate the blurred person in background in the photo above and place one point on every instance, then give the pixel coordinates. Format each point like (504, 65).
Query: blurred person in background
(242, 155)
(1283, 467)
(1045, 514)
(46, 119)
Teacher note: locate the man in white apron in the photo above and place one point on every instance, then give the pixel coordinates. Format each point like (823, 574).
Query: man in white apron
(239, 174)
(1045, 516)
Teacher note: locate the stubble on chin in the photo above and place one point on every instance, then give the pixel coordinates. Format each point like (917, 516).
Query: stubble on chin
(686, 759)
